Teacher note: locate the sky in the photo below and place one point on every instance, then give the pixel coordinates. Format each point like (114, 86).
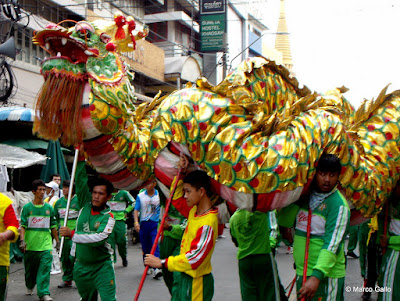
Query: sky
(355, 43)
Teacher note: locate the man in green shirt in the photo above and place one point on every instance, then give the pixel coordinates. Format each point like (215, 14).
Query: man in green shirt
(93, 270)
(330, 216)
(38, 227)
(259, 279)
(121, 203)
(60, 208)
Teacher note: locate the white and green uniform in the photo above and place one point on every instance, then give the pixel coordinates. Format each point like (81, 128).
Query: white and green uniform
(93, 270)
(326, 260)
(38, 220)
(389, 278)
(120, 204)
(60, 208)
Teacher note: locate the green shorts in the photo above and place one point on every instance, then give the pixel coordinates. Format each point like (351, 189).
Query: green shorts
(187, 288)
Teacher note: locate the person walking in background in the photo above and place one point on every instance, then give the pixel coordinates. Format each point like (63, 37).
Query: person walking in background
(8, 233)
(353, 240)
(52, 197)
(147, 208)
(121, 204)
(38, 227)
(60, 208)
(57, 179)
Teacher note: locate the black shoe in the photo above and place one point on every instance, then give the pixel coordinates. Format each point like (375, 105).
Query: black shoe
(157, 273)
(352, 254)
(366, 296)
(65, 284)
(124, 263)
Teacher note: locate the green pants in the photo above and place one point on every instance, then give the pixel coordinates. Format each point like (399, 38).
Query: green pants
(119, 237)
(94, 279)
(362, 247)
(187, 288)
(329, 289)
(169, 247)
(259, 278)
(353, 238)
(3, 282)
(389, 277)
(37, 270)
(67, 261)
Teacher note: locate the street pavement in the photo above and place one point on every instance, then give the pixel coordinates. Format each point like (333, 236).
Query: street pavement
(225, 271)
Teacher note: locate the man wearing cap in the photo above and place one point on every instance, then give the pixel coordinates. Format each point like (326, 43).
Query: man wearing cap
(52, 197)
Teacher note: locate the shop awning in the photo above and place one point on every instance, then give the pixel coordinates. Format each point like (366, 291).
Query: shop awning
(16, 157)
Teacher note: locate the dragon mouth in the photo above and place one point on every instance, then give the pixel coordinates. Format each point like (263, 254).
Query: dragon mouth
(61, 45)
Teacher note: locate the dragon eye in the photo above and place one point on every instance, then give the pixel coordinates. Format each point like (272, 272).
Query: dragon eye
(84, 29)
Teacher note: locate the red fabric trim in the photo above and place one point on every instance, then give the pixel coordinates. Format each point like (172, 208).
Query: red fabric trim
(181, 205)
(98, 146)
(10, 219)
(112, 215)
(118, 176)
(207, 247)
(72, 233)
(163, 177)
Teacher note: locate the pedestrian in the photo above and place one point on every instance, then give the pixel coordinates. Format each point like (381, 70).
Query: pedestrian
(52, 197)
(121, 204)
(329, 220)
(259, 279)
(38, 229)
(57, 179)
(93, 270)
(389, 278)
(148, 207)
(195, 282)
(8, 233)
(353, 240)
(60, 208)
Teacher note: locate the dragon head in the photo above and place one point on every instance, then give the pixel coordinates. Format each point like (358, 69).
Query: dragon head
(83, 55)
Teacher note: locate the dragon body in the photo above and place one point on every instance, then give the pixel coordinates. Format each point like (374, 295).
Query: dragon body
(257, 134)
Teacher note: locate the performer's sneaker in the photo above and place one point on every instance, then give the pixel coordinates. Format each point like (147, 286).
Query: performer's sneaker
(29, 291)
(46, 298)
(352, 254)
(65, 284)
(124, 263)
(157, 273)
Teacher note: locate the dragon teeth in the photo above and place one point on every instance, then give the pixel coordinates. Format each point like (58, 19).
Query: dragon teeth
(64, 41)
(47, 45)
(87, 52)
(58, 53)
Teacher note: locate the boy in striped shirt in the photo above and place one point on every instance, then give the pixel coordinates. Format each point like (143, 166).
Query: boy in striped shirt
(195, 282)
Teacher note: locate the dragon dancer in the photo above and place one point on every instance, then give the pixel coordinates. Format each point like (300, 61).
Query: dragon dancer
(330, 216)
(94, 270)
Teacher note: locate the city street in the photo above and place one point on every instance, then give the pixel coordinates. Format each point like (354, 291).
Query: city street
(225, 273)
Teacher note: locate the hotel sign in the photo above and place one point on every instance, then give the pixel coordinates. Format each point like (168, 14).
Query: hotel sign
(212, 25)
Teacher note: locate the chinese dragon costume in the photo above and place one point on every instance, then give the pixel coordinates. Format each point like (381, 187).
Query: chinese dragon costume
(257, 134)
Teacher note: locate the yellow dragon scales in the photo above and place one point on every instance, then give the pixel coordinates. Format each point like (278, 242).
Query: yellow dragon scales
(256, 134)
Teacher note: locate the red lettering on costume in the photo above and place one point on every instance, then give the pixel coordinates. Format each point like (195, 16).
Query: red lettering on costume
(303, 217)
(36, 220)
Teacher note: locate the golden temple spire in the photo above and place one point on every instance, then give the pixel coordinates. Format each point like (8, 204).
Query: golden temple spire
(282, 42)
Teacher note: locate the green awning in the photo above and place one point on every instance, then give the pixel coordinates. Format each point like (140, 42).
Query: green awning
(31, 144)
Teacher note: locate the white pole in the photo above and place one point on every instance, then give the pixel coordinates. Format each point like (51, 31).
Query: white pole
(71, 185)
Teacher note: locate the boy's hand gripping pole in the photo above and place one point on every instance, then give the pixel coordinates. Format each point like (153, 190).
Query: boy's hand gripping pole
(153, 249)
(71, 185)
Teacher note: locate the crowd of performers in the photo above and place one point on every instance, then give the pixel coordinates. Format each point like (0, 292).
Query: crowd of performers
(96, 228)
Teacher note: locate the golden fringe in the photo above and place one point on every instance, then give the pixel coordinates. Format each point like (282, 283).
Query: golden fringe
(59, 110)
